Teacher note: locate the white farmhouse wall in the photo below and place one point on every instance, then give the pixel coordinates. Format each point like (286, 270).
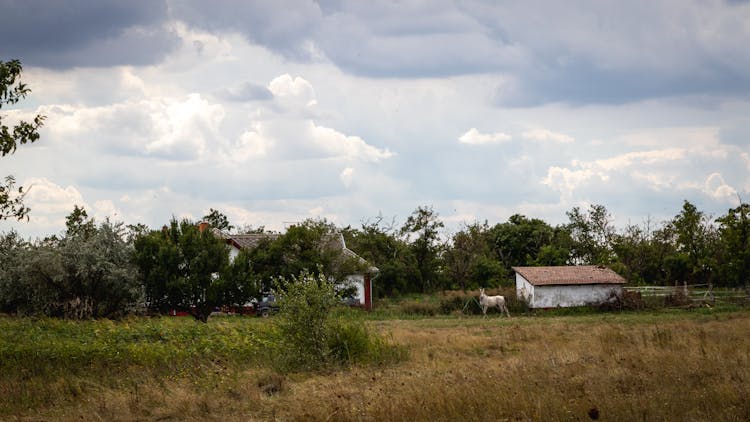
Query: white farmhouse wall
(358, 281)
(233, 252)
(553, 296)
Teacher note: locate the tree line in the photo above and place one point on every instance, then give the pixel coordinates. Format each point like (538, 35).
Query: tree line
(109, 269)
(691, 247)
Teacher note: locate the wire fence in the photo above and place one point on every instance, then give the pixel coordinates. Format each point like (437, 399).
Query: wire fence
(693, 292)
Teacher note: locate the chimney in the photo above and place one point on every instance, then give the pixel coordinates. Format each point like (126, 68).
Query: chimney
(202, 226)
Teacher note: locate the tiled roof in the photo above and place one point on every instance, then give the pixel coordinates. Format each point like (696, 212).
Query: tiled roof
(251, 241)
(582, 274)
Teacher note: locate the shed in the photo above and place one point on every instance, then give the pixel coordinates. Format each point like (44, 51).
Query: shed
(565, 286)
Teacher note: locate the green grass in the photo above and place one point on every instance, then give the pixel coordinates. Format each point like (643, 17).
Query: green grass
(177, 368)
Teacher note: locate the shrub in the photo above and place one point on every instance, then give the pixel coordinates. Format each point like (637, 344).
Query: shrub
(310, 338)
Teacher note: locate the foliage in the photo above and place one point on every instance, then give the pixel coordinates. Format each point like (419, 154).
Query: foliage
(305, 302)
(12, 91)
(734, 231)
(379, 244)
(422, 231)
(218, 220)
(591, 234)
(77, 277)
(695, 238)
(311, 337)
(313, 246)
(467, 258)
(180, 267)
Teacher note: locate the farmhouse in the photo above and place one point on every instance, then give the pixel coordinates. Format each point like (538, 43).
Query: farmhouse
(564, 286)
(362, 282)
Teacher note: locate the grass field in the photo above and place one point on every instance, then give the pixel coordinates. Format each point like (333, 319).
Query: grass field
(658, 365)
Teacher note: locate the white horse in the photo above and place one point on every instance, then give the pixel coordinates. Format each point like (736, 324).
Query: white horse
(492, 301)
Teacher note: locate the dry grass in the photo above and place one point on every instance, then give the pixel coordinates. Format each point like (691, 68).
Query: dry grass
(628, 367)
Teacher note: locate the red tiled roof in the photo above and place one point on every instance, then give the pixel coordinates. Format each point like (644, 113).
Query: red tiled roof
(582, 274)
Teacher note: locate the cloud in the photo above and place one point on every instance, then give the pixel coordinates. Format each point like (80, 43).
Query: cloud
(717, 188)
(50, 203)
(248, 91)
(347, 175)
(77, 33)
(474, 137)
(292, 92)
(281, 25)
(544, 135)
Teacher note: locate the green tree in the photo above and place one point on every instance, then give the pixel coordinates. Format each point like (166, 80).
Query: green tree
(238, 282)
(467, 258)
(12, 91)
(734, 234)
(378, 243)
(695, 241)
(78, 223)
(526, 242)
(591, 233)
(181, 266)
(641, 254)
(314, 246)
(422, 233)
(218, 220)
(76, 277)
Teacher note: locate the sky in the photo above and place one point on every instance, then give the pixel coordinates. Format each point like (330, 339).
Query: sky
(274, 111)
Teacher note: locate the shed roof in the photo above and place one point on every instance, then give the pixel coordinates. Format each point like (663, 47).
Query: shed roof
(581, 274)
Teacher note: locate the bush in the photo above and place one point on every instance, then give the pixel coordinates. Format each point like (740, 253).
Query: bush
(309, 338)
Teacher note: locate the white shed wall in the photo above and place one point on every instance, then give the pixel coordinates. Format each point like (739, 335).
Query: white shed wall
(553, 296)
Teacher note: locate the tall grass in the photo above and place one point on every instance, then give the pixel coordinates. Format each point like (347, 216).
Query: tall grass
(676, 365)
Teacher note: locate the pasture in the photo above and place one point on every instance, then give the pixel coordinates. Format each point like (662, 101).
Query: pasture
(656, 365)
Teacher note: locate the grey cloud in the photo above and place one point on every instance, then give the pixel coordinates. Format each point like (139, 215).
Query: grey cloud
(246, 92)
(71, 33)
(737, 134)
(282, 26)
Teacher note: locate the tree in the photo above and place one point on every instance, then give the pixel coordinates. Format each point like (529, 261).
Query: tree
(76, 277)
(525, 242)
(592, 234)
(378, 243)
(313, 246)
(218, 220)
(421, 232)
(695, 240)
(734, 232)
(180, 266)
(467, 259)
(12, 91)
(78, 223)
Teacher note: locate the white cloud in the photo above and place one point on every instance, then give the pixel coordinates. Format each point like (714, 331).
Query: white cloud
(717, 188)
(337, 144)
(474, 137)
(50, 203)
(544, 135)
(293, 91)
(347, 175)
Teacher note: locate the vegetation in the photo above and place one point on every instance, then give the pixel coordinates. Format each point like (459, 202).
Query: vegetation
(12, 91)
(654, 365)
(311, 337)
(181, 267)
